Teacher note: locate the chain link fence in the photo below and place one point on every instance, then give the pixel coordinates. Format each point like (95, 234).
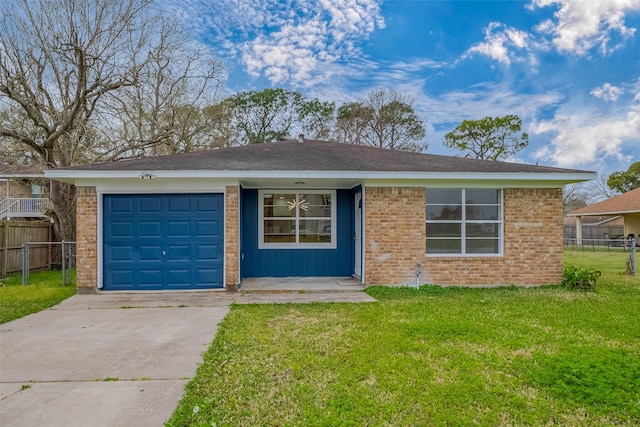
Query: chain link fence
(53, 256)
(620, 252)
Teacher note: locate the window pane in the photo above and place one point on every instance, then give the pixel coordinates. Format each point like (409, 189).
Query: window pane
(444, 230)
(315, 211)
(317, 199)
(279, 205)
(444, 197)
(448, 212)
(482, 230)
(483, 212)
(279, 231)
(482, 246)
(442, 246)
(482, 197)
(315, 205)
(315, 238)
(315, 231)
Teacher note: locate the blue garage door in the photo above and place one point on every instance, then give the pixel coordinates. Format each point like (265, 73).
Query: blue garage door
(163, 241)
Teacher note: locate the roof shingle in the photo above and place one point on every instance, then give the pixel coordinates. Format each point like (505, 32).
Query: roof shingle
(628, 202)
(314, 155)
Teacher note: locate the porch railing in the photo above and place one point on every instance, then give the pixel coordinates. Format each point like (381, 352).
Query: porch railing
(23, 208)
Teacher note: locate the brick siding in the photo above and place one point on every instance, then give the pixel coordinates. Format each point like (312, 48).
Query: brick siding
(232, 237)
(86, 239)
(395, 241)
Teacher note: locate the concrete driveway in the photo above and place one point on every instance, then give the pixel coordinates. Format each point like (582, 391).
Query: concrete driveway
(105, 360)
(116, 359)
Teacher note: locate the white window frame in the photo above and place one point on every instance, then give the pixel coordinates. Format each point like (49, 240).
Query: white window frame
(463, 225)
(297, 245)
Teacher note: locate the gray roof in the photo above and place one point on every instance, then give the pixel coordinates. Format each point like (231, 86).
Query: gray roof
(18, 171)
(314, 155)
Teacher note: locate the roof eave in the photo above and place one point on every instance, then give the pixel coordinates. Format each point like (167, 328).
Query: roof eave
(72, 175)
(619, 213)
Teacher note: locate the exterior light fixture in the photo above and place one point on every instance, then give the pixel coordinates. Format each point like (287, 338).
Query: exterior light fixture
(147, 176)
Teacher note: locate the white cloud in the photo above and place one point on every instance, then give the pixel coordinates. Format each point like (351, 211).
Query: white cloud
(287, 42)
(607, 92)
(582, 139)
(580, 25)
(503, 44)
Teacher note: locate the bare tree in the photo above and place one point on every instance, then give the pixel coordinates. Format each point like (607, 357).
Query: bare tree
(574, 196)
(64, 61)
(352, 123)
(384, 119)
(599, 188)
(162, 113)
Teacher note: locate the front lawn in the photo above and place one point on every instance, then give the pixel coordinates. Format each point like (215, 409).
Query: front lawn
(44, 290)
(438, 356)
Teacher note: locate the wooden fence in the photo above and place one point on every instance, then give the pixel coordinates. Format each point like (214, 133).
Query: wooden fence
(13, 234)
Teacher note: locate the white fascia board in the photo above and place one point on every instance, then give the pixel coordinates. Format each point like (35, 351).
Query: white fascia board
(605, 213)
(555, 178)
(158, 185)
(488, 180)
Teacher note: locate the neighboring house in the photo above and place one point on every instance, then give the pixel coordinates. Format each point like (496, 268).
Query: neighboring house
(626, 205)
(23, 192)
(594, 227)
(314, 208)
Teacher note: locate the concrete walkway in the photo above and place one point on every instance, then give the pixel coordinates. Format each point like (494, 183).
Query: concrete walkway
(115, 359)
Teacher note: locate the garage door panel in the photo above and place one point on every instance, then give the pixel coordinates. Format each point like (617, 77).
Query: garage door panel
(207, 204)
(179, 229)
(208, 252)
(149, 204)
(121, 253)
(150, 229)
(150, 253)
(121, 278)
(150, 277)
(122, 205)
(179, 277)
(208, 228)
(180, 204)
(163, 241)
(120, 229)
(179, 253)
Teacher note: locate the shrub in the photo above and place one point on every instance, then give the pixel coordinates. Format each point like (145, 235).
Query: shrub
(580, 278)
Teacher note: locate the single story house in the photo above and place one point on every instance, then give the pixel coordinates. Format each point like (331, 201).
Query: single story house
(315, 208)
(626, 205)
(594, 227)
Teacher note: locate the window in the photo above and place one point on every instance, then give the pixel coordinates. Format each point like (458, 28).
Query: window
(289, 219)
(37, 191)
(464, 221)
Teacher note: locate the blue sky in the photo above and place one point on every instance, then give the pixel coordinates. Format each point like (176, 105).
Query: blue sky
(569, 68)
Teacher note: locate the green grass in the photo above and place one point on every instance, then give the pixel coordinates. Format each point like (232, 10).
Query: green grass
(434, 356)
(43, 291)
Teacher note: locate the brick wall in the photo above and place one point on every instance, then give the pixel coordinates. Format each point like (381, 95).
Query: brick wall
(395, 241)
(86, 239)
(394, 234)
(232, 237)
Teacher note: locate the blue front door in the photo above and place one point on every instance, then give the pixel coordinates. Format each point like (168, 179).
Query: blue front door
(163, 241)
